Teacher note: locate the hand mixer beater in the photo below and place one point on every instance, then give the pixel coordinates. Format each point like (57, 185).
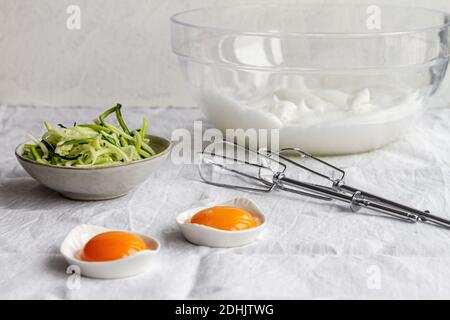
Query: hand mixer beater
(266, 171)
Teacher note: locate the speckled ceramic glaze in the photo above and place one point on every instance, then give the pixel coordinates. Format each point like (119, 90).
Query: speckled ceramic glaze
(98, 183)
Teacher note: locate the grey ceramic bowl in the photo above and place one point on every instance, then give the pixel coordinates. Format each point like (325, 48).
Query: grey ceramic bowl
(98, 183)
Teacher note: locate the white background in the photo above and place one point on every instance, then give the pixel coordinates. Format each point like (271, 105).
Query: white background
(122, 52)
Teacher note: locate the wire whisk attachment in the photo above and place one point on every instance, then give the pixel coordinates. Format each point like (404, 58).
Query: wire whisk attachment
(230, 165)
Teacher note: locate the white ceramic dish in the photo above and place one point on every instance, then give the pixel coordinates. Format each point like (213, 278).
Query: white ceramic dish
(212, 237)
(97, 183)
(132, 265)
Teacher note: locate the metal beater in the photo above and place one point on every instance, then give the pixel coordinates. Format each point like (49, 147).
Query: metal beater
(266, 171)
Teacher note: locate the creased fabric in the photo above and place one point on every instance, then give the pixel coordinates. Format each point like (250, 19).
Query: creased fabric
(309, 249)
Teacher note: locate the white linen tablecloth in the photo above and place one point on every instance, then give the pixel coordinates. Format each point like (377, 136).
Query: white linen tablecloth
(309, 250)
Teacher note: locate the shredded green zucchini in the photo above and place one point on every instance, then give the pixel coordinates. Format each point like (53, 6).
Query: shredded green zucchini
(86, 145)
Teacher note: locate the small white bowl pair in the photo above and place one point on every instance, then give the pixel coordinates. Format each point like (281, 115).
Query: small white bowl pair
(212, 237)
(139, 262)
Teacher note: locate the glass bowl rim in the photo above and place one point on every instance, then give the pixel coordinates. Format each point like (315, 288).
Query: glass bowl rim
(177, 20)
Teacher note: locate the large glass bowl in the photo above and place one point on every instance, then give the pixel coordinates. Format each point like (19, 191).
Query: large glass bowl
(333, 79)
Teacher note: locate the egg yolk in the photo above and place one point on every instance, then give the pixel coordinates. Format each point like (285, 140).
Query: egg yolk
(225, 218)
(112, 245)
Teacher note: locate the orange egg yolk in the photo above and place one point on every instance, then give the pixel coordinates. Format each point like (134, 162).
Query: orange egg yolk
(225, 218)
(112, 245)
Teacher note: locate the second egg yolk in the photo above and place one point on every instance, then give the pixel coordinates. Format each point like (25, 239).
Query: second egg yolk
(225, 218)
(112, 245)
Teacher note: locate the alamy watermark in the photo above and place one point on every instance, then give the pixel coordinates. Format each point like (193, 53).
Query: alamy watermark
(374, 277)
(189, 144)
(73, 21)
(373, 21)
(74, 279)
